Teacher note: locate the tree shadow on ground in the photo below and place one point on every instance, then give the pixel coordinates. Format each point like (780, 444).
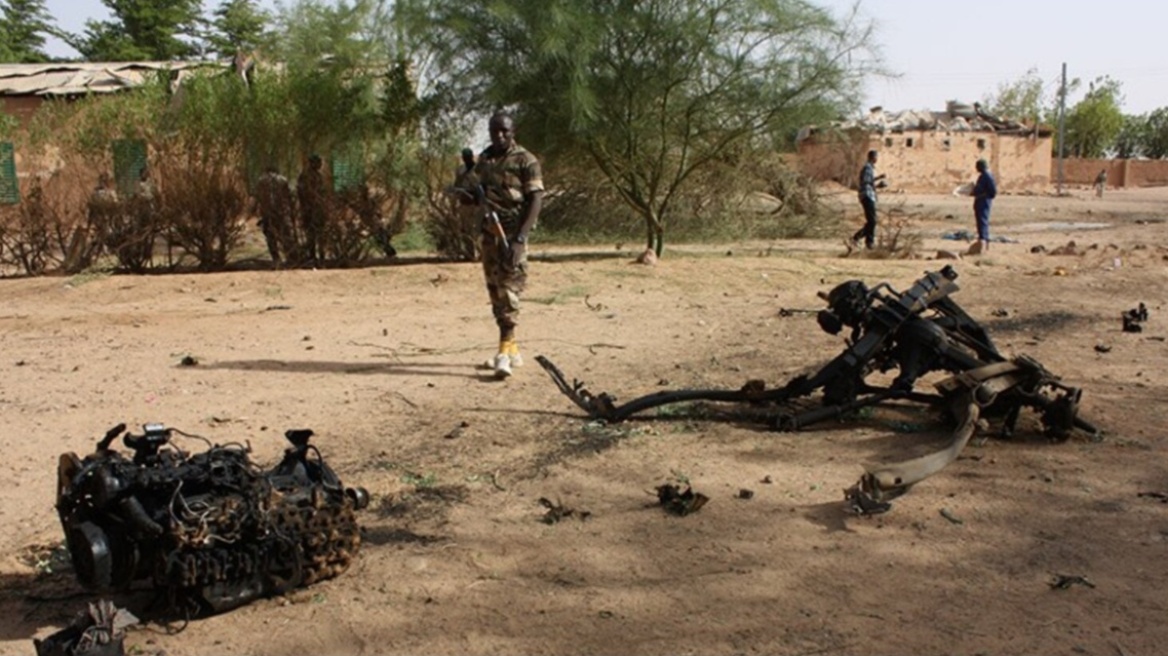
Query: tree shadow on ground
(579, 256)
(328, 367)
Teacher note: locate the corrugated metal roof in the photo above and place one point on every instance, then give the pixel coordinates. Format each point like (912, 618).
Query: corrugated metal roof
(84, 77)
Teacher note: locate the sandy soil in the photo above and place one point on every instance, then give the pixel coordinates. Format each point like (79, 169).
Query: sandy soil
(382, 363)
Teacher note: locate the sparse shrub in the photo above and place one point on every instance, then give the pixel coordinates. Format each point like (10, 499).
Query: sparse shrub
(201, 210)
(28, 234)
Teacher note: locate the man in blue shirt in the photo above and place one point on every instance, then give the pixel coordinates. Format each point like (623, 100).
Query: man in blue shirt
(984, 193)
(868, 179)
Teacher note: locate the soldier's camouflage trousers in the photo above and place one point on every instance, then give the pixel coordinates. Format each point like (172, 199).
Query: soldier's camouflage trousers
(505, 281)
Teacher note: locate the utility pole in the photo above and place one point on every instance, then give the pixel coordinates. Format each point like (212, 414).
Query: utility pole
(1062, 121)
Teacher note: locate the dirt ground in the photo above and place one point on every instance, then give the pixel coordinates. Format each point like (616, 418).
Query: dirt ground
(381, 363)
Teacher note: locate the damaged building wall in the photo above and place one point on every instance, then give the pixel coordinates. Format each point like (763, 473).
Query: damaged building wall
(1121, 173)
(930, 161)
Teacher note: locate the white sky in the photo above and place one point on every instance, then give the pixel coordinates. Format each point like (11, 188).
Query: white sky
(952, 50)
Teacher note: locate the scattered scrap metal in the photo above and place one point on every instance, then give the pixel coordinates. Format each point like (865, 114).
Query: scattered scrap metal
(1065, 581)
(1134, 319)
(914, 332)
(99, 631)
(678, 501)
(212, 530)
(556, 511)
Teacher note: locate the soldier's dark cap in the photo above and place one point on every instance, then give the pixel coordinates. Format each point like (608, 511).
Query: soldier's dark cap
(467, 152)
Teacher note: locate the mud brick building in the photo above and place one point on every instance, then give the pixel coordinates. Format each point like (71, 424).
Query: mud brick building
(930, 152)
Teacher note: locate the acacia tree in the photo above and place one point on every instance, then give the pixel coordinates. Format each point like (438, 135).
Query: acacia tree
(239, 25)
(1095, 121)
(141, 29)
(23, 26)
(652, 92)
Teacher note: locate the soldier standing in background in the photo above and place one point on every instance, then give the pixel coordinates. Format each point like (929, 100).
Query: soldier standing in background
(311, 194)
(273, 203)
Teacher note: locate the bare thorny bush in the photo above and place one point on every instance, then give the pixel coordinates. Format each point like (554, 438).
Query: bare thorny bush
(195, 214)
(200, 207)
(361, 220)
(897, 236)
(453, 227)
(51, 228)
(26, 238)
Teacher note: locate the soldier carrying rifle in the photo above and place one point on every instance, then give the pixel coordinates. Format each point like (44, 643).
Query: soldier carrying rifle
(510, 197)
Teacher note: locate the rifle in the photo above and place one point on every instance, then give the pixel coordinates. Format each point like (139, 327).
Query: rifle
(491, 223)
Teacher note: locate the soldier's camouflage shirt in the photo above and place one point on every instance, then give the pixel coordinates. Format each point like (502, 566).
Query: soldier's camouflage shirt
(507, 179)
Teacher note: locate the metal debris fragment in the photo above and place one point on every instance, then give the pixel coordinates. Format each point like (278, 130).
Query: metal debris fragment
(211, 529)
(953, 519)
(1162, 497)
(678, 501)
(1134, 319)
(1065, 581)
(99, 631)
(557, 511)
(911, 333)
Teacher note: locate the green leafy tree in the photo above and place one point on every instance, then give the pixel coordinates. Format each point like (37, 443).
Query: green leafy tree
(1133, 137)
(1144, 136)
(652, 93)
(239, 25)
(1094, 122)
(1024, 99)
(1156, 141)
(161, 30)
(23, 26)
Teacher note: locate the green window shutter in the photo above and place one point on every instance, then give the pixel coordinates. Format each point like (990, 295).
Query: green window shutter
(9, 185)
(129, 160)
(348, 168)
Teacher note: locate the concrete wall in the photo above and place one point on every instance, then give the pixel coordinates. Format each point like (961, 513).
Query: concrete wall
(931, 161)
(1120, 172)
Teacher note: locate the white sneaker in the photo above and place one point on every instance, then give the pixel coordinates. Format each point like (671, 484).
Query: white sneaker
(502, 366)
(517, 360)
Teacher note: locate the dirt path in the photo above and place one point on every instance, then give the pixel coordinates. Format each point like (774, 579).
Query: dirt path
(382, 364)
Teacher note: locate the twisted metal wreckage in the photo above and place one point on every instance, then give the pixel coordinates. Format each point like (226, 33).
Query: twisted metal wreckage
(211, 530)
(914, 332)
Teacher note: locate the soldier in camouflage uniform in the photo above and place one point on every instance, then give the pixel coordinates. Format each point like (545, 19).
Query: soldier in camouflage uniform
(310, 191)
(273, 200)
(512, 194)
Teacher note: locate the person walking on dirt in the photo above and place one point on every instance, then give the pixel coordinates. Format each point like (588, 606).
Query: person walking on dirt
(868, 180)
(311, 194)
(273, 203)
(1100, 183)
(510, 197)
(984, 192)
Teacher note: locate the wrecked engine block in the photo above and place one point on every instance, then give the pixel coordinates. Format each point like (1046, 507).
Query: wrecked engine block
(211, 529)
(909, 334)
